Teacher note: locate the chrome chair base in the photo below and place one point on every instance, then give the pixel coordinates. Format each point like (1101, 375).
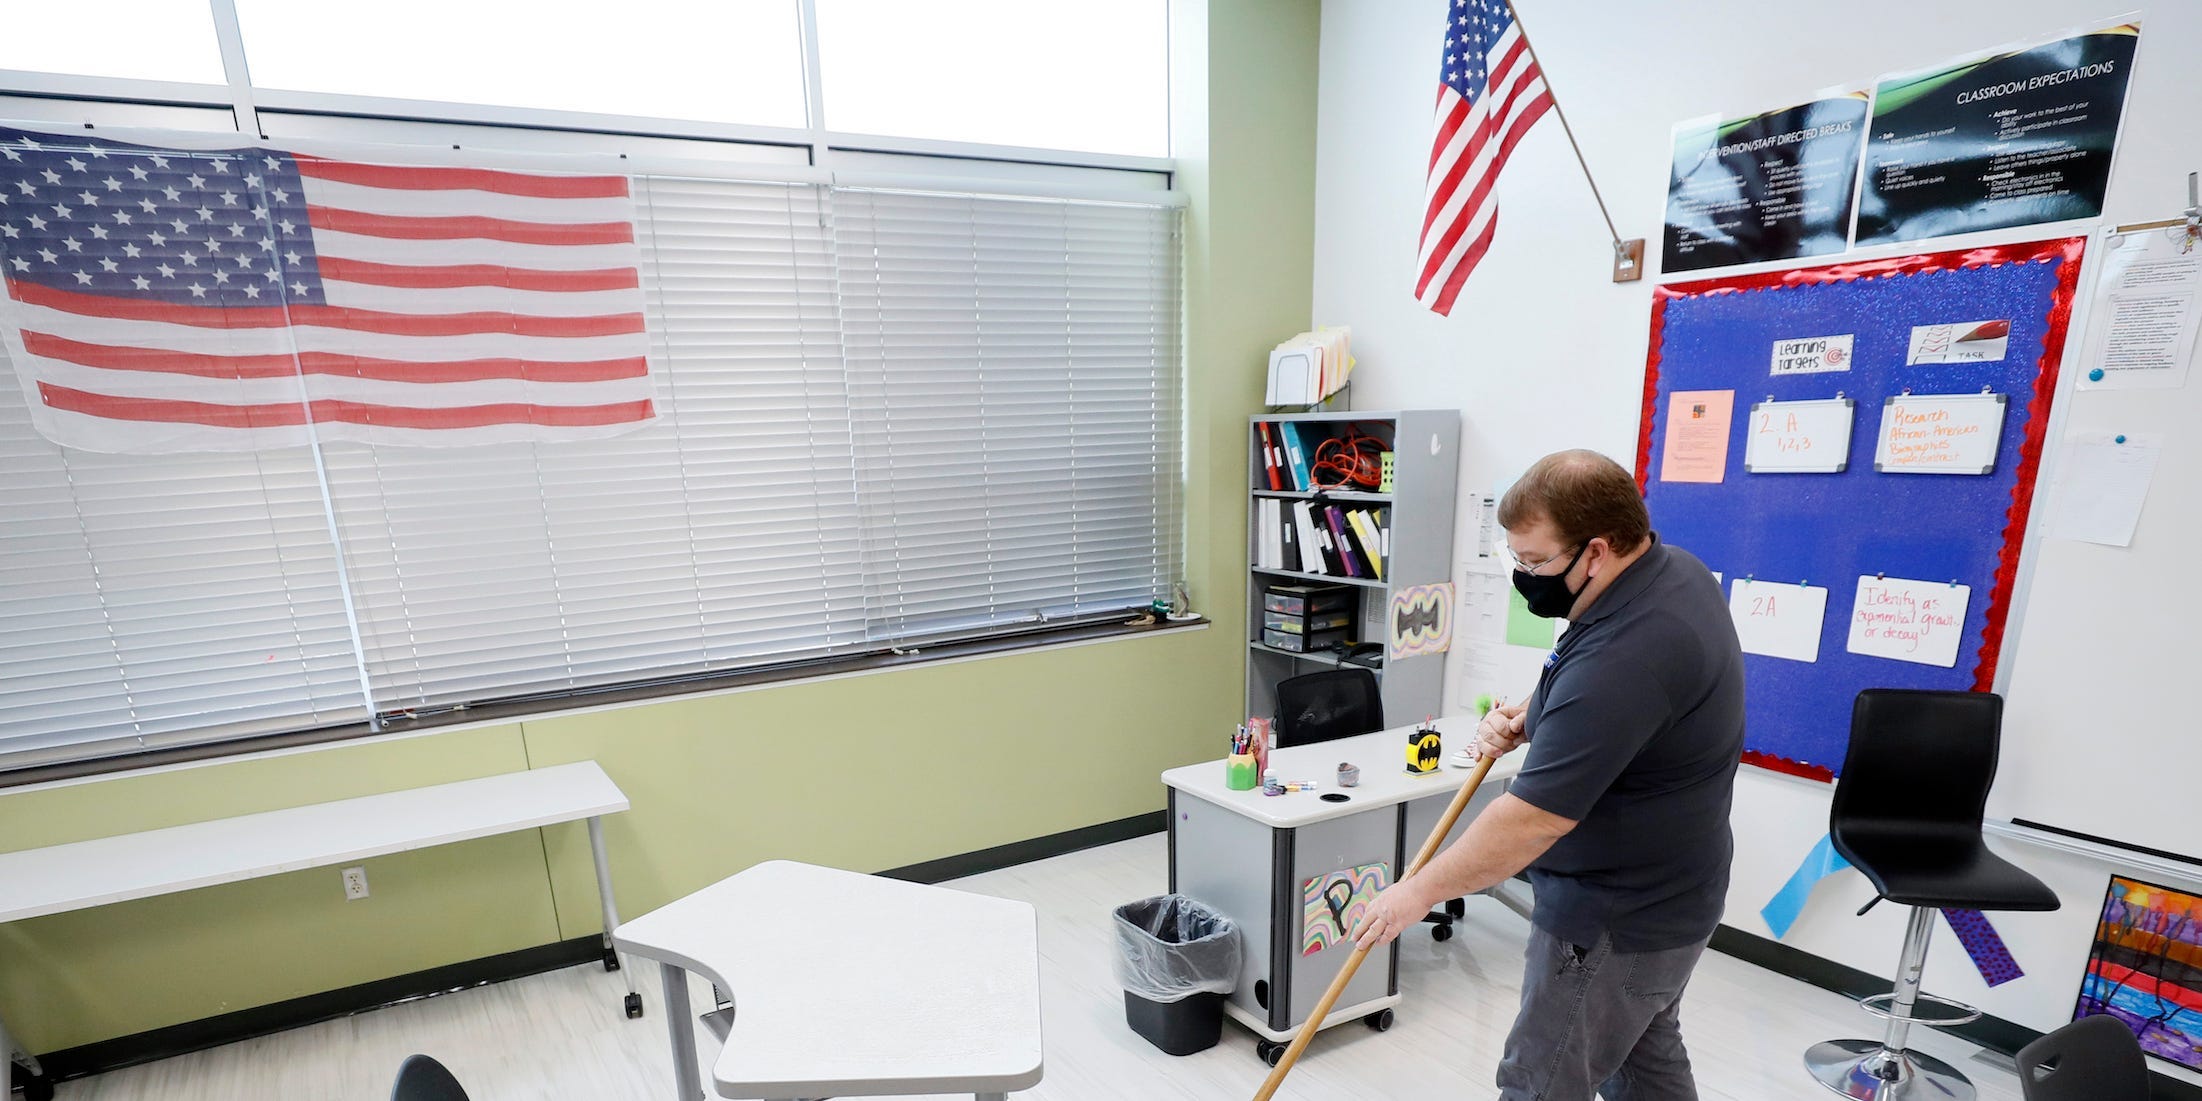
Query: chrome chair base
(1864, 1070)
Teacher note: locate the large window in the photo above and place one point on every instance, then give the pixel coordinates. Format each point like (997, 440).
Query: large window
(906, 392)
(1070, 78)
(1058, 74)
(133, 39)
(886, 419)
(710, 60)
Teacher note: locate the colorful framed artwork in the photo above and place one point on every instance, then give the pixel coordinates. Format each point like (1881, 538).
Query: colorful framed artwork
(1331, 905)
(2146, 968)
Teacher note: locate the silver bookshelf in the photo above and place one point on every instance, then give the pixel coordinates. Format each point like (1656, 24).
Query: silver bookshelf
(1426, 470)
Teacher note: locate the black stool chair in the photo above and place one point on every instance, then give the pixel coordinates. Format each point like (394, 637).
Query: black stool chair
(1907, 813)
(421, 1078)
(2091, 1059)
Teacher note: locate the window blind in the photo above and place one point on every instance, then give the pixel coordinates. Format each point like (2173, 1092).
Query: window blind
(885, 417)
(722, 533)
(1013, 383)
(156, 600)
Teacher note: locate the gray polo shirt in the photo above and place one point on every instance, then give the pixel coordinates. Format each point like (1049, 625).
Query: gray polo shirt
(1635, 732)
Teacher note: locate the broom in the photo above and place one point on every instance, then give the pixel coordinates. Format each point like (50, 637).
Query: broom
(1353, 962)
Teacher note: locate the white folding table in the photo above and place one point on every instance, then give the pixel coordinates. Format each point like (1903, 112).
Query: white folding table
(83, 874)
(849, 985)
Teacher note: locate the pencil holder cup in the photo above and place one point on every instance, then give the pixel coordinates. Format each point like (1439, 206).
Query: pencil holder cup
(1238, 772)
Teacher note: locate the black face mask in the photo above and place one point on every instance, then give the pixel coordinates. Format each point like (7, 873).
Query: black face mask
(1548, 595)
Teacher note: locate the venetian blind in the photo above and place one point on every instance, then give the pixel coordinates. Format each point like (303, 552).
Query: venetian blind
(1013, 382)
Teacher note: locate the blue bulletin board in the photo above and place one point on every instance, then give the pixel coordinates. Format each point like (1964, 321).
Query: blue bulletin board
(1829, 529)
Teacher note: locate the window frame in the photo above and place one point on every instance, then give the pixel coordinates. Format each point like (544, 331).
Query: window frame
(516, 137)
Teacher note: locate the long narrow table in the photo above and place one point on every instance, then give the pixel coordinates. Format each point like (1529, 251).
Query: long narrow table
(849, 985)
(83, 874)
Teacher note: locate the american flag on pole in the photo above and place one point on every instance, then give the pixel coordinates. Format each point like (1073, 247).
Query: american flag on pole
(1490, 94)
(231, 299)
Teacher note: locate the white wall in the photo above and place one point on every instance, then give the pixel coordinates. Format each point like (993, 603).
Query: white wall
(1542, 352)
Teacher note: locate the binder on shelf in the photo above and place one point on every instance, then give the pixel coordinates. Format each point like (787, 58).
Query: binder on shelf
(1268, 543)
(1297, 559)
(1311, 552)
(1288, 530)
(1371, 544)
(1270, 457)
(1295, 455)
(1335, 517)
(1314, 553)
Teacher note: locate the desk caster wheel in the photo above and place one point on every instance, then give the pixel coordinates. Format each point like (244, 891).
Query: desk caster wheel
(39, 1087)
(1456, 907)
(611, 960)
(1268, 1052)
(634, 1006)
(1379, 1022)
(1441, 933)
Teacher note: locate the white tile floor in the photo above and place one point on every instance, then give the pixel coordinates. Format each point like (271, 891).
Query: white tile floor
(562, 1035)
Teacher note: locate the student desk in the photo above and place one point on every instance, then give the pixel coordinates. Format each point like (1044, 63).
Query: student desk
(1251, 856)
(849, 985)
(60, 878)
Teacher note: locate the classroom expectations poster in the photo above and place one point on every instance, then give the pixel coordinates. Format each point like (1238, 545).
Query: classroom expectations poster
(2014, 139)
(1773, 186)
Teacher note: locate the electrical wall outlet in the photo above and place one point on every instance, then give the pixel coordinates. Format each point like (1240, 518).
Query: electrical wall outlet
(355, 883)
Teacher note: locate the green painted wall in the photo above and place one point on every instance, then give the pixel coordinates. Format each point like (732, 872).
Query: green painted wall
(75, 978)
(864, 772)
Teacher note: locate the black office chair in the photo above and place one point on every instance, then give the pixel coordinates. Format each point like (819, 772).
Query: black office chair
(2091, 1059)
(1907, 813)
(1326, 706)
(421, 1078)
(1340, 703)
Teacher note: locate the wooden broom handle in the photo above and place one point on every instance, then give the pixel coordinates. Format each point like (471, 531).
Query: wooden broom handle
(1353, 962)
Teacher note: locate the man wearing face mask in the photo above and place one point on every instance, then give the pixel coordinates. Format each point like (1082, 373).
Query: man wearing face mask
(1620, 812)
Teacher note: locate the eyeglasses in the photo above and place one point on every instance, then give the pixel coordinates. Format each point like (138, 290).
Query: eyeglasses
(1539, 566)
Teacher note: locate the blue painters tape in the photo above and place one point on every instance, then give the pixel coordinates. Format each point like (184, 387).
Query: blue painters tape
(1781, 911)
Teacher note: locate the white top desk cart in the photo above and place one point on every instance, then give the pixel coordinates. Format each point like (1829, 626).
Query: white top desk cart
(1251, 856)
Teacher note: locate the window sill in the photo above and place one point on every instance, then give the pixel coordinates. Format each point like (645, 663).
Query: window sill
(611, 696)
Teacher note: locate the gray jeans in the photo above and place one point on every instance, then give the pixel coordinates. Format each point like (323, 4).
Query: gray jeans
(1593, 1019)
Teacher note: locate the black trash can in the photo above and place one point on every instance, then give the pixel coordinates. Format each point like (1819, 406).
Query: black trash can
(1192, 1023)
(1178, 958)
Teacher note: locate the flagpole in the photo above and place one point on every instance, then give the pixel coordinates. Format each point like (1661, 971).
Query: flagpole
(1566, 129)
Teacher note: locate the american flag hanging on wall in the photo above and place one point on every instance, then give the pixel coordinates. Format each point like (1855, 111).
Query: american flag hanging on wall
(1490, 93)
(239, 298)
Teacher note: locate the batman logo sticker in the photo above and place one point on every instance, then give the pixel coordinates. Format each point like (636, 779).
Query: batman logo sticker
(1421, 620)
(1408, 621)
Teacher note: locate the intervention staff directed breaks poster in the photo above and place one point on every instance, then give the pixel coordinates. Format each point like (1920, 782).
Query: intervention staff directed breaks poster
(2011, 140)
(1774, 186)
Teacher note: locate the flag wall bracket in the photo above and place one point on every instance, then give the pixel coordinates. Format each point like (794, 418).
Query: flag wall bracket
(1628, 260)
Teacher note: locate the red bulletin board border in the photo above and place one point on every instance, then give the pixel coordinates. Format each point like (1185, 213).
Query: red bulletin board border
(2066, 251)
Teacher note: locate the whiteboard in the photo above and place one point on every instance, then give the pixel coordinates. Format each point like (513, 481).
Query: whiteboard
(2102, 731)
(1939, 433)
(1798, 437)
